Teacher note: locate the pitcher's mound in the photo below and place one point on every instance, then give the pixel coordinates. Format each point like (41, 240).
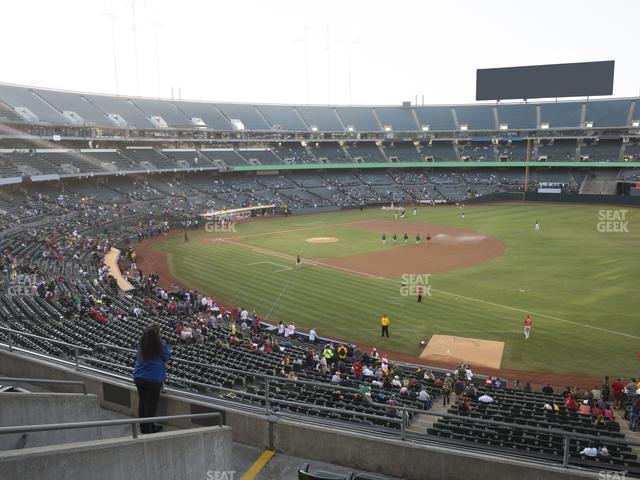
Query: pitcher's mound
(322, 240)
(447, 348)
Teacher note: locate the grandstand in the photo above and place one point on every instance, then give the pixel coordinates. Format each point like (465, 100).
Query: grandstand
(82, 175)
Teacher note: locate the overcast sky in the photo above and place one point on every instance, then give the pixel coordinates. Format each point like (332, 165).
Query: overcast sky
(355, 52)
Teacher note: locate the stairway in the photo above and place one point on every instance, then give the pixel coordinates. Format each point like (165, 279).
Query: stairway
(600, 182)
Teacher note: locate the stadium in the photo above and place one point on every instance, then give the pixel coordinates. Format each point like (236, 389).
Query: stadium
(321, 291)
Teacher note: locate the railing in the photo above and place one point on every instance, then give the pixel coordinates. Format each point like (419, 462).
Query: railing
(404, 412)
(76, 348)
(107, 423)
(45, 381)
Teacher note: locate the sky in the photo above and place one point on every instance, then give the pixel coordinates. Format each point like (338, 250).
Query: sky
(329, 52)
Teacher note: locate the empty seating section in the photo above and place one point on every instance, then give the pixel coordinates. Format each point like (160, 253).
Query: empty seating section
(282, 117)
(191, 157)
(401, 152)
(246, 114)
(515, 151)
(228, 156)
(325, 119)
(122, 107)
(294, 152)
(359, 118)
(265, 157)
(632, 151)
(559, 151)
(476, 152)
(30, 161)
(207, 112)
(399, 119)
(49, 106)
(171, 115)
(517, 116)
(149, 155)
(603, 151)
(437, 118)
(366, 152)
(72, 102)
(560, 115)
(82, 162)
(8, 169)
(23, 97)
(113, 157)
(439, 152)
(477, 117)
(612, 113)
(330, 152)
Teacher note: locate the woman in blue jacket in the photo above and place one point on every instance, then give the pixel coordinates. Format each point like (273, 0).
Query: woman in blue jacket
(149, 374)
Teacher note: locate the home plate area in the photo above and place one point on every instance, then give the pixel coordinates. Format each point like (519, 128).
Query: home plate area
(448, 348)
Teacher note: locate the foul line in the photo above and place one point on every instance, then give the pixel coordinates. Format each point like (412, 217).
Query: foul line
(310, 262)
(538, 314)
(376, 277)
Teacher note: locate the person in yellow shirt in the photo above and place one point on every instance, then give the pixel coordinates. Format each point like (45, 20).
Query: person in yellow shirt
(384, 321)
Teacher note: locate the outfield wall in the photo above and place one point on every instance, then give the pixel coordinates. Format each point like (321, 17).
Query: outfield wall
(556, 197)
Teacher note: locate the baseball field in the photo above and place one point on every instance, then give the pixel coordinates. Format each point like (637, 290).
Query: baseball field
(577, 277)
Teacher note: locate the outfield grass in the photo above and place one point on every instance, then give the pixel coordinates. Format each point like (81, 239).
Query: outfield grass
(584, 283)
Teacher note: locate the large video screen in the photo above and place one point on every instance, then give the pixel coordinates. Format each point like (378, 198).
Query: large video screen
(545, 81)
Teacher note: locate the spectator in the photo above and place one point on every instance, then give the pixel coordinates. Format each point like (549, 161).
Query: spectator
(590, 451)
(570, 403)
(547, 389)
(485, 399)
(446, 390)
(585, 409)
(617, 388)
(634, 414)
(149, 374)
(606, 389)
(313, 336)
(600, 422)
(425, 398)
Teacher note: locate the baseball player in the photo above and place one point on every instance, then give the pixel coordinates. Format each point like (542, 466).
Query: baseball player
(394, 237)
(298, 262)
(406, 238)
(384, 238)
(417, 239)
(537, 225)
(527, 327)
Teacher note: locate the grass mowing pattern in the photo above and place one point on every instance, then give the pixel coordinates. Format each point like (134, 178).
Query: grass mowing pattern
(568, 270)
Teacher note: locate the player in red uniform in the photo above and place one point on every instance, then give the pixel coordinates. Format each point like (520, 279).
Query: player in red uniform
(527, 327)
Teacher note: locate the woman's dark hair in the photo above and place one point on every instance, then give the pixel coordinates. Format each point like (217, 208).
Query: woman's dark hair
(150, 345)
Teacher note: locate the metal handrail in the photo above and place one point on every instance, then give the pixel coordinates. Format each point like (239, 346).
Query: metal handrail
(243, 372)
(404, 411)
(76, 348)
(553, 431)
(106, 423)
(46, 381)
